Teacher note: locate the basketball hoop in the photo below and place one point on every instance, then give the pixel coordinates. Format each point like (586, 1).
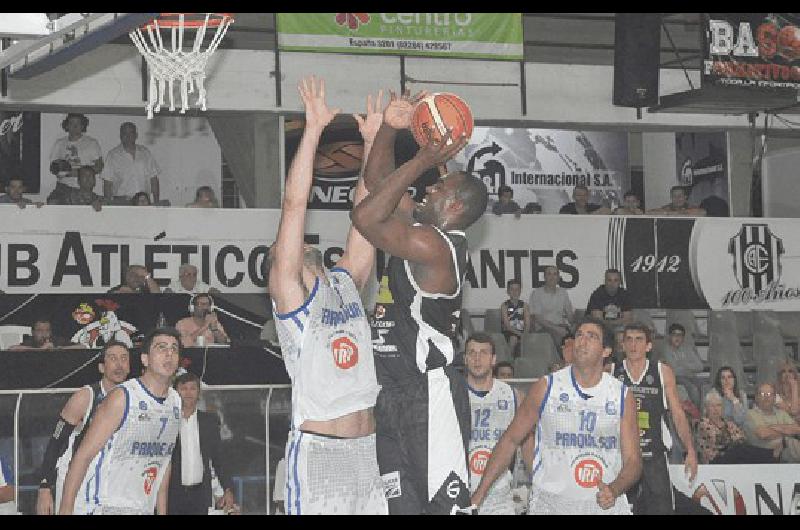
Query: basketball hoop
(168, 65)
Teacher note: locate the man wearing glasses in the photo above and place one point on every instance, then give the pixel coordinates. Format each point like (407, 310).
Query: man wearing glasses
(772, 428)
(134, 430)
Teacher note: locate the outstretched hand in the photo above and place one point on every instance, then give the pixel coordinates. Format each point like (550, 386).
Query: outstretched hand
(437, 153)
(400, 109)
(312, 92)
(368, 127)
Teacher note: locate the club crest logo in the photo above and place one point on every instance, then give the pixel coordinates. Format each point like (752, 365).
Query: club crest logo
(149, 474)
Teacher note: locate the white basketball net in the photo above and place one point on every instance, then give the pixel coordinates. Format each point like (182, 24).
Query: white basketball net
(170, 65)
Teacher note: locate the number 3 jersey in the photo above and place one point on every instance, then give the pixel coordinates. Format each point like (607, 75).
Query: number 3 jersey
(578, 437)
(491, 415)
(125, 477)
(327, 348)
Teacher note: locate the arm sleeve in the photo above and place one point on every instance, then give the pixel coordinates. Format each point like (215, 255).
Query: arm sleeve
(56, 446)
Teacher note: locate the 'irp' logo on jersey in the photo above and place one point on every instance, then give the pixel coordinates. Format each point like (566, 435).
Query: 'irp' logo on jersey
(150, 475)
(588, 473)
(756, 256)
(345, 353)
(477, 462)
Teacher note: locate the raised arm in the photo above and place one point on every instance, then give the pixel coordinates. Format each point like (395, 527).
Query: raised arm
(679, 418)
(285, 280)
(105, 422)
(359, 254)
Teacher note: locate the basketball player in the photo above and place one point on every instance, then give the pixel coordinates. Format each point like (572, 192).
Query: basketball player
(493, 405)
(422, 413)
(325, 339)
(653, 385)
(134, 431)
(587, 450)
(115, 366)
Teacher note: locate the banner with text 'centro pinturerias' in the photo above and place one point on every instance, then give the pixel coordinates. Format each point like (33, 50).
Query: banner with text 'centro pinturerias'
(466, 35)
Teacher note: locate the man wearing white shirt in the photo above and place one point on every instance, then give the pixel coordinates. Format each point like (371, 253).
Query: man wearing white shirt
(130, 168)
(198, 443)
(551, 307)
(71, 152)
(189, 283)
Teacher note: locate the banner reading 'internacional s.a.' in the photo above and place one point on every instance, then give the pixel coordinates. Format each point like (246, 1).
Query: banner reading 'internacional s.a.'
(468, 35)
(752, 49)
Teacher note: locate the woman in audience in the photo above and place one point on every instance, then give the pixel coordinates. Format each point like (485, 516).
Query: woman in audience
(721, 441)
(734, 401)
(787, 394)
(141, 199)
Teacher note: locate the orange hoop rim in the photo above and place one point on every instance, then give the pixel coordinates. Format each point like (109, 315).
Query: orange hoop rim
(171, 20)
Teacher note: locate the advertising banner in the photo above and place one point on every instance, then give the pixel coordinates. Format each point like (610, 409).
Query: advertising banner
(751, 49)
(467, 35)
(543, 166)
(702, 166)
(680, 263)
(763, 489)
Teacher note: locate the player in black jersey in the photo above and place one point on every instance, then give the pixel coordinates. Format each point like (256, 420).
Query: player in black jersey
(653, 386)
(422, 413)
(115, 366)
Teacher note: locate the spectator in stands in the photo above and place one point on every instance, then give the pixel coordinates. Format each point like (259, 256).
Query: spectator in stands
(141, 199)
(679, 205)
(14, 190)
(610, 302)
(786, 388)
(551, 307)
(734, 401)
(581, 204)
(532, 208)
(130, 168)
(630, 205)
(70, 153)
(715, 206)
(8, 506)
(189, 283)
(720, 441)
(568, 348)
(41, 338)
(503, 370)
(84, 194)
(684, 361)
(618, 353)
(204, 198)
(506, 202)
(203, 327)
(772, 428)
(515, 317)
(137, 280)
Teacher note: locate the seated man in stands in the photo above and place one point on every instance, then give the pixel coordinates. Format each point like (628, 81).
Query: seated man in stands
(581, 204)
(515, 317)
(720, 441)
(203, 327)
(189, 283)
(506, 202)
(610, 302)
(679, 205)
(772, 428)
(137, 280)
(83, 195)
(204, 198)
(630, 205)
(551, 307)
(503, 370)
(41, 338)
(14, 190)
(684, 361)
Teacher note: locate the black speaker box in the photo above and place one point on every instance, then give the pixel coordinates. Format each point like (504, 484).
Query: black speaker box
(637, 45)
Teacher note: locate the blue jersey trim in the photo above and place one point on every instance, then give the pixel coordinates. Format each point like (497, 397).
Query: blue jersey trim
(97, 476)
(297, 321)
(288, 479)
(581, 393)
(546, 395)
(479, 393)
(8, 472)
(622, 400)
(284, 316)
(342, 269)
(296, 479)
(158, 400)
(127, 406)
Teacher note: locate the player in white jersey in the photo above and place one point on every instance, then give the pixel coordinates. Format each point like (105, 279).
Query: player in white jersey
(114, 365)
(493, 405)
(326, 342)
(587, 440)
(134, 431)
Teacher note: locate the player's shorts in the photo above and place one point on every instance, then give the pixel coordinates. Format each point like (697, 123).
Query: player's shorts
(652, 495)
(332, 476)
(541, 502)
(423, 435)
(83, 499)
(118, 510)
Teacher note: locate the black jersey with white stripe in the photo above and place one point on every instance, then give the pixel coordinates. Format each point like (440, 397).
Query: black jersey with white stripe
(651, 404)
(414, 331)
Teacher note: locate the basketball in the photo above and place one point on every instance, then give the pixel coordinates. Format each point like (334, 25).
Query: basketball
(436, 112)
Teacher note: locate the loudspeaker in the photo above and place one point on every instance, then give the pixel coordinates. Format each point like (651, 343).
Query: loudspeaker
(637, 46)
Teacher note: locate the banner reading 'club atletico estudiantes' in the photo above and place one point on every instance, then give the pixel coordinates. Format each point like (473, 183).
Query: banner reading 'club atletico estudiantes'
(468, 35)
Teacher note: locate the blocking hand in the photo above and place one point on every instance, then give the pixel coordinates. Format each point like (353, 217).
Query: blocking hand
(312, 92)
(368, 127)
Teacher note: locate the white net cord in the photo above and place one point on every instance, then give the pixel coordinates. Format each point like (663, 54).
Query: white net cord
(173, 64)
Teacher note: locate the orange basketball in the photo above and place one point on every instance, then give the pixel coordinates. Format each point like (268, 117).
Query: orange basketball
(436, 112)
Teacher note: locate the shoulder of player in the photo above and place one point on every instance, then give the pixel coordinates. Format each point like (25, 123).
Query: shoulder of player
(77, 403)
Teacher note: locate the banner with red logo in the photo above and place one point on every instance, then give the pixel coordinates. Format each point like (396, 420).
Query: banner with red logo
(751, 49)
